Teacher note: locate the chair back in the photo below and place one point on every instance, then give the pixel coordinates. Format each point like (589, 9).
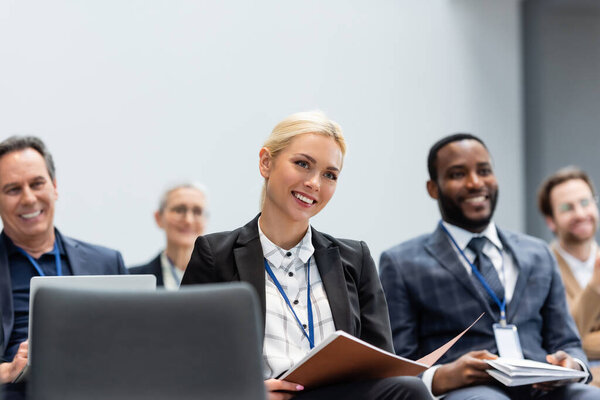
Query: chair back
(201, 342)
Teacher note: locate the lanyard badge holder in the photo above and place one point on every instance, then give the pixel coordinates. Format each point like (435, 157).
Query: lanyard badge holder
(507, 335)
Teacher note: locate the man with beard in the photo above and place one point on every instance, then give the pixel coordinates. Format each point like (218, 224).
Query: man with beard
(568, 202)
(434, 286)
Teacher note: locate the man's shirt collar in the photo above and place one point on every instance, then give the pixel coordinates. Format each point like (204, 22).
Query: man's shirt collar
(575, 263)
(11, 248)
(462, 237)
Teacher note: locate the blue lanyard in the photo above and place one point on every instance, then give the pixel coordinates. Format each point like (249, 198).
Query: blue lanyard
(173, 271)
(311, 330)
(501, 304)
(37, 266)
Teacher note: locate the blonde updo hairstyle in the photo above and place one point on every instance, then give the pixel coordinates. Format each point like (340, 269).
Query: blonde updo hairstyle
(315, 122)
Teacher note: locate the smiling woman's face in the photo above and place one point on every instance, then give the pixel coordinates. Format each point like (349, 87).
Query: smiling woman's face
(184, 216)
(301, 180)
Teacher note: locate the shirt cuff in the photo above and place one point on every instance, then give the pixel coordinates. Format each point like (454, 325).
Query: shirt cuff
(584, 368)
(427, 379)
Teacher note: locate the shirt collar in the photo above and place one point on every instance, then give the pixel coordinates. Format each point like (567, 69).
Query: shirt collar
(275, 254)
(577, 264)
(11, 248)
(462, 237)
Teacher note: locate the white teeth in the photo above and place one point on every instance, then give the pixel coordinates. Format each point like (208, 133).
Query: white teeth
(303, 198)
(476, 199)
(31, 215)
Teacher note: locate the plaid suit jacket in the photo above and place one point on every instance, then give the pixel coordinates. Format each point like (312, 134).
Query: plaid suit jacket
(431, 298)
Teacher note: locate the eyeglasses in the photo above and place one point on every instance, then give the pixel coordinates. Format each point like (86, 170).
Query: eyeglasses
(583, 203)
(182, 211)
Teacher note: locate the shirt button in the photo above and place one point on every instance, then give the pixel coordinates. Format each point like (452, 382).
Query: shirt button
(288, 254)
(304, 326)
(290, 273)
(296, 301)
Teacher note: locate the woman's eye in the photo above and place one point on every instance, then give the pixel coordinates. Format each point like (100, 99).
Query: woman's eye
(302, 164)
(331, 175)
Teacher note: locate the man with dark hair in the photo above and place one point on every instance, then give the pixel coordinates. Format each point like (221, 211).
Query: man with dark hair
(438, 283)
(31, 246)
(567, 200)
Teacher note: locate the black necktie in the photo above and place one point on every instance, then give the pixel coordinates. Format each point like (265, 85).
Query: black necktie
(485, 267)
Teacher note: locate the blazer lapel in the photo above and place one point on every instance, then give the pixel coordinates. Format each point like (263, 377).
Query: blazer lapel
(329, 264)
(522, 260)
(77, 261)
(440, 247)
(6, 301)
(249, 258)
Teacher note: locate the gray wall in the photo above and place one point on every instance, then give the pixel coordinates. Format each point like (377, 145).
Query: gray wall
(131, 95)
(562, 93)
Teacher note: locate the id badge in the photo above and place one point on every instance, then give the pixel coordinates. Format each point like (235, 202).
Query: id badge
(507, 341)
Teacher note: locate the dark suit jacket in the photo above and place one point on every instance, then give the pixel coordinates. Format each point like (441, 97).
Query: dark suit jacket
(84, 259)
(432, 298)
(154, 267)
(346, 268)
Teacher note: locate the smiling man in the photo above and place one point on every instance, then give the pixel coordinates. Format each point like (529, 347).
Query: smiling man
(31, 246)
(567, 200)
(434, 285)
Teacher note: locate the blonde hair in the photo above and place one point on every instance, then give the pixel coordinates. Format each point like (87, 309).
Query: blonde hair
(298, 124)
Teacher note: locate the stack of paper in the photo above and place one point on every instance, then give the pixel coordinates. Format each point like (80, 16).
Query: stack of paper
(514, 372)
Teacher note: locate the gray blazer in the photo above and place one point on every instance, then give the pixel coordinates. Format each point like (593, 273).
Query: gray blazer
(348, 272)
(432, 298)
(84, 259)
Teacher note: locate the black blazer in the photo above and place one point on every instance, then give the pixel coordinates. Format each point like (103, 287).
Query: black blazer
(154, 267)
(348, 272)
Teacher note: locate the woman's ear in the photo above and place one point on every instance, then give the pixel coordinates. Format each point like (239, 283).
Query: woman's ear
(265, 162)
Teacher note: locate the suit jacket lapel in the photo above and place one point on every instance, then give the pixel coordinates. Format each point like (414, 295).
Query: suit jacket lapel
(329, 264)
(6, 301)
(523, 262)
(77, 260)
(249, 258)
(440, 247)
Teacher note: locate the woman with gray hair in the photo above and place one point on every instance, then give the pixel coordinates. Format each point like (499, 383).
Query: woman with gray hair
(182, 215)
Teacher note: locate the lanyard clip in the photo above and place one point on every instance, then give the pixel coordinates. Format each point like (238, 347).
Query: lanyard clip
(502, 318)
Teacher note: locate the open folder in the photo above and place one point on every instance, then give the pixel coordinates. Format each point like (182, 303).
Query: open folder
(344, 358)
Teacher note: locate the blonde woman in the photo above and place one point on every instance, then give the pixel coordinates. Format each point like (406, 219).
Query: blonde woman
(309, 283)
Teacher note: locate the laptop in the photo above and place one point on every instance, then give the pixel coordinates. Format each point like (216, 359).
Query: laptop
(87, 282)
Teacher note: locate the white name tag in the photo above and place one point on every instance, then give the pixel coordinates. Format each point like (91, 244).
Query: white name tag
(507, 341)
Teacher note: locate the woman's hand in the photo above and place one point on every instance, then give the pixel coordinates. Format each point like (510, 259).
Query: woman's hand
(276, 389)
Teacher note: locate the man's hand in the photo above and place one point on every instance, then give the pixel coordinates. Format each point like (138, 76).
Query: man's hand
(10, 370)
(561, 359)
(274, 387)
(468, 370)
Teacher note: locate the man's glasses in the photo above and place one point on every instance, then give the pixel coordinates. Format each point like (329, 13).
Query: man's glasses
(583, 203)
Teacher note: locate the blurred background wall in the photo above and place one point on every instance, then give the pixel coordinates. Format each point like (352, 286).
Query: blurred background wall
(562, 93)
(133, 95)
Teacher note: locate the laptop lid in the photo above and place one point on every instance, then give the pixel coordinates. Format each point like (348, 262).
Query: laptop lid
(141, 282)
